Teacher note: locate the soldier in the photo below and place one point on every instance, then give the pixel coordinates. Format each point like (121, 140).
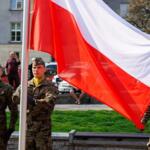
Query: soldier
(40, 104)
(146, 116)
(144, 120)
(6, 100)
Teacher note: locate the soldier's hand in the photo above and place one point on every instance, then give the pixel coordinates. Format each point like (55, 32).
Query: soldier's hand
(8, 134)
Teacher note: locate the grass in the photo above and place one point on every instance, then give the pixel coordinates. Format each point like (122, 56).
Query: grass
(92, 121)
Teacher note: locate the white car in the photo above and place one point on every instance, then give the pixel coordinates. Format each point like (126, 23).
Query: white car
(64, 87)
(56, 80)
(51, 67)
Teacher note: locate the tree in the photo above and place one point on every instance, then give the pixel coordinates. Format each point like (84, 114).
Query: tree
(139, 14)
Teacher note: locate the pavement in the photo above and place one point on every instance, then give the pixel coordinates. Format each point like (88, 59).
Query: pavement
(82, 107)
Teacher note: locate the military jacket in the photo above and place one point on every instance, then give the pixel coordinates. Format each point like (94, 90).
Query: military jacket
(43, 99)
(6, 100)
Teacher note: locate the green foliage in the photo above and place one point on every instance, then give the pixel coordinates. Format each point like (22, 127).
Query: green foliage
(8, 120)
(92, 121)
(139, 14)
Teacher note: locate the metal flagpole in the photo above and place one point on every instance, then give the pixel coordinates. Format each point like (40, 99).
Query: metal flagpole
(24, 77)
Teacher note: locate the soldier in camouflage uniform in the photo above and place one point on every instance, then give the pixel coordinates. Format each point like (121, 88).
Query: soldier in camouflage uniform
(146, 116)
(5, 100)
(40, 104)
(144, 120)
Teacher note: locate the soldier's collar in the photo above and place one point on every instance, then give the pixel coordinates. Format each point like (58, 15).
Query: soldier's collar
(37, 81)
(43, 82)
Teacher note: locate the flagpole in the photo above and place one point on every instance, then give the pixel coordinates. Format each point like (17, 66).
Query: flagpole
(24, 77)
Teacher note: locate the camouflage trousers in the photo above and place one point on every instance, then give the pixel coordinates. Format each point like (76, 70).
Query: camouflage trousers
(38, 136)
(3, 144)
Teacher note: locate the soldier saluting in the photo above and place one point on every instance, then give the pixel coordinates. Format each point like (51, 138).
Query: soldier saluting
(40, 104)
(6, 100)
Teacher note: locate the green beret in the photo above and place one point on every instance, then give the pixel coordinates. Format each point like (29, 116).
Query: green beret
(38, 61)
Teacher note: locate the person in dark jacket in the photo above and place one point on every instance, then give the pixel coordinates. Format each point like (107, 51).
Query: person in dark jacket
(6, 92)
(41, 98)
(12, 70)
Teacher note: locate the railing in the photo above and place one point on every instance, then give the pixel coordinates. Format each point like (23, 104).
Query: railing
(93, 141)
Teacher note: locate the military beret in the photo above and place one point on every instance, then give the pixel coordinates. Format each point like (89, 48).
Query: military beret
(38, 61)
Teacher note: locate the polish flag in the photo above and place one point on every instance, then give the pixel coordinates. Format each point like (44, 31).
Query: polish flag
(96, 51)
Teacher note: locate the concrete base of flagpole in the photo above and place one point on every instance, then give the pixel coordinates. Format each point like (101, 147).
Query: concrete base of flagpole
(92, 141)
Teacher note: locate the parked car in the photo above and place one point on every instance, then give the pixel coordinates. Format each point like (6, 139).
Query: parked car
(51, 67)
(56, 80)
(64, 87)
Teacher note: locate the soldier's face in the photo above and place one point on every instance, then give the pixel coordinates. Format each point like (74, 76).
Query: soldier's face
(38, 71)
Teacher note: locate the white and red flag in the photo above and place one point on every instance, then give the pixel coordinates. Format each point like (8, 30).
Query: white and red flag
(97, 51)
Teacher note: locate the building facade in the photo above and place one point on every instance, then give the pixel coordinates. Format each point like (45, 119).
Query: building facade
(10, 27)
(11, 22)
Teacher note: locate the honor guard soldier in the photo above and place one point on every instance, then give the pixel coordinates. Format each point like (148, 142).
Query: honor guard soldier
(6, 92)
(41, 98)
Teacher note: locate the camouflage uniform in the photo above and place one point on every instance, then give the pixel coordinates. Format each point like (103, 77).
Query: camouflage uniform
(39, 109)
(6, 100)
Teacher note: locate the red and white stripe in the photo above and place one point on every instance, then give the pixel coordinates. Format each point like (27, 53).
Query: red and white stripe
(97, 51)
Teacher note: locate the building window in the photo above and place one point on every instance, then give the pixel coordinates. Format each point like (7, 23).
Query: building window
(15, 32)
(16, 4)
(123, 9)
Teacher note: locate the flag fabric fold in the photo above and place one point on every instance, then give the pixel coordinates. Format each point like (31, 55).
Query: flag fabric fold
(96, 51)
